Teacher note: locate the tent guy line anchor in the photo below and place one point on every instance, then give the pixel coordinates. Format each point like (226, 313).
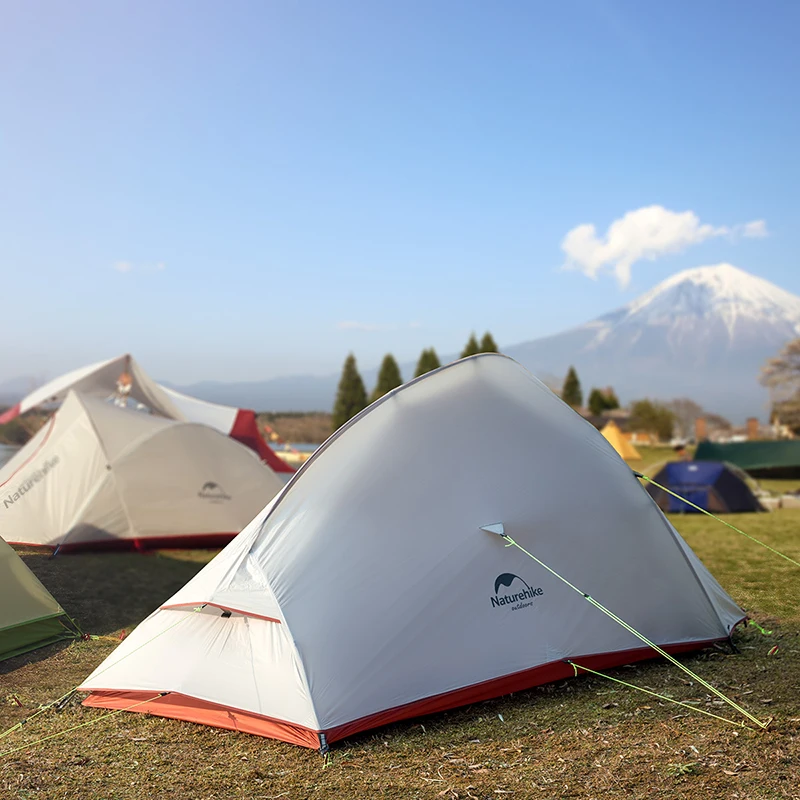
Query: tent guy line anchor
(713, 516)
(65, 697)
(577, 667)
(498, 529)
(80, 725)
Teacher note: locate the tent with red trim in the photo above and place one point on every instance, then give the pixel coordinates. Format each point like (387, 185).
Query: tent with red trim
(100, 476)
(373, 589)
(103, 380)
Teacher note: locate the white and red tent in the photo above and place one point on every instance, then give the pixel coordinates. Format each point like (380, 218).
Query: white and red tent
(101, 380)
(99, 476)
(370, 590)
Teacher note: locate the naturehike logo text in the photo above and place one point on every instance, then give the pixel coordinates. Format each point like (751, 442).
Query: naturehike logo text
(213, 491)
(522, 596)
(29, 482)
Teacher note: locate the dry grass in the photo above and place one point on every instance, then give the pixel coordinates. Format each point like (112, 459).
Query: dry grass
(582, 738)
(653, 458)
(313, 428)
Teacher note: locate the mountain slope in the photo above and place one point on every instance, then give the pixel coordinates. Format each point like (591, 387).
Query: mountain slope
(703, 333)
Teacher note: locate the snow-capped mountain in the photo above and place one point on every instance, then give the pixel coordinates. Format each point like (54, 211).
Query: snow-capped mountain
(703, 333)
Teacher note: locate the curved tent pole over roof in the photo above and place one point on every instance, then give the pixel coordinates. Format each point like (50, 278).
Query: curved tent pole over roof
(100, 380)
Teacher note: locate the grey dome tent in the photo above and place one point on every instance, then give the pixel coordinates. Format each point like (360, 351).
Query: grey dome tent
(374, 589)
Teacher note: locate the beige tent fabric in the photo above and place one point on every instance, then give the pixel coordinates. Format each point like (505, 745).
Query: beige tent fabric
(618, 441)
(97, 473)
(101, 380)
(123, 381)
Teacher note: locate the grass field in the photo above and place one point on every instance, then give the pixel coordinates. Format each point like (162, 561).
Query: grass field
(582, 738)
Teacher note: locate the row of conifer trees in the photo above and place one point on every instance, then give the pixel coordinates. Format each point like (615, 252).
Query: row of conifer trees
(351, 396)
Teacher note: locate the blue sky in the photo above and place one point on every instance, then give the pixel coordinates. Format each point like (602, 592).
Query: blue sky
(236, 190)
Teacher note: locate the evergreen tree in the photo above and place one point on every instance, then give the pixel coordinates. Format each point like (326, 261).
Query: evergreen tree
(428, 360)
(571, 393)
(597, 402)
(653, 418)
(351, 396)
(388, 377)
(601, 400)
(612, 401)
(472, 347)
(488, 344)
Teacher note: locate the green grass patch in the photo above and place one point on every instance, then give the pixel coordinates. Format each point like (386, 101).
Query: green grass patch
(581, 738)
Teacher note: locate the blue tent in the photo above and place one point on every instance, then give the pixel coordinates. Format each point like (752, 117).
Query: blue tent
(712, 485)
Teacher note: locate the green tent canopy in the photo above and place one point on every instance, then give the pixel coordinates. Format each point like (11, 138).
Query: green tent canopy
(762, 459)
(29, 615)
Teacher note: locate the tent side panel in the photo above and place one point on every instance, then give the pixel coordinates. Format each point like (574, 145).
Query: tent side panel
(23, 597)
(41, 500)
(102, 519)
(735, 493)
(30, 636)
(192, 480)
(778, 458)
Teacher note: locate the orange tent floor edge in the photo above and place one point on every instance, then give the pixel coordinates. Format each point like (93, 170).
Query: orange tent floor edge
(190, 709)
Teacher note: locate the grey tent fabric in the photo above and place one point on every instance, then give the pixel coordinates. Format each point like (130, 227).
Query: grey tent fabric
(370, 590)
(101, 476)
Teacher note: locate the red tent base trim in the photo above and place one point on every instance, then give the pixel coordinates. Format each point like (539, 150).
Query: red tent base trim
(190, 709)
(189, 542)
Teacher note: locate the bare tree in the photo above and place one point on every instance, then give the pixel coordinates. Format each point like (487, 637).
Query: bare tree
(781, 375)
(686, 411)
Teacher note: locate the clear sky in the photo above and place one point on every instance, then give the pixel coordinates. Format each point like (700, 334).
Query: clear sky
(235, 190)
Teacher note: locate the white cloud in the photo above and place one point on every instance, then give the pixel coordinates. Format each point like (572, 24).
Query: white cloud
(757, 229)
(128, 266)
(644, 234)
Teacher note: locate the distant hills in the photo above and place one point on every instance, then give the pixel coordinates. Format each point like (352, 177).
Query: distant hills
(703, 333)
